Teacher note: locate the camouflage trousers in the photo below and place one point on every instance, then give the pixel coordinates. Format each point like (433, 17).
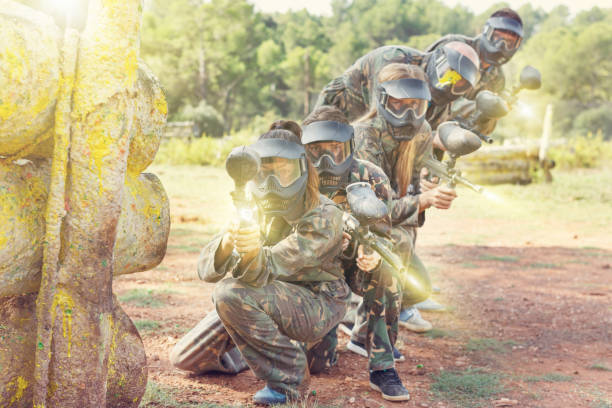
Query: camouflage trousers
(271, 324)
(414, 281)
(376, 320)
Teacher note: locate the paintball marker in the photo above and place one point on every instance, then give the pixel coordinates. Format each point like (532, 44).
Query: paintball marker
(242, 165)
(491, 106)
(457, 142)
(366, 210)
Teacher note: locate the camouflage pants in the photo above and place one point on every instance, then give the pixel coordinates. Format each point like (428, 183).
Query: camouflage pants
(376, 320)
(415, 281)
(270, 324)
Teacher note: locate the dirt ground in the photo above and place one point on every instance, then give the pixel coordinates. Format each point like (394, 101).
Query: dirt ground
(529, 322)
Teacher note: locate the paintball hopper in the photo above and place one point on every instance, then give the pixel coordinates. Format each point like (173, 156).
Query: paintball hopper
(530, 78)
(365, 206)
(456, 140)
(242, 165)
(491, 105)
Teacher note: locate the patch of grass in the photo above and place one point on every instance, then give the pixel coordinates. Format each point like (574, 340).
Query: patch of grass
(469, 265)
(467, 388)
(549, 377)
(539, 265)
(485, 344)
(182, 232)
(158, 396)
(503, 258)
(498, 299)
(146, 325)
(143, 298)
(600, 367)
(186, 248)
(439, 333)
(162, 268)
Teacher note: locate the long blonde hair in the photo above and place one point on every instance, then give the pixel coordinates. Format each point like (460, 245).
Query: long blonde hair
(404, 165)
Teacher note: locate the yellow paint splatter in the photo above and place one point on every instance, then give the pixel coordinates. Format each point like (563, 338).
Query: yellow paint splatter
(65, 302)
(21, 385)
(450, 77)
(7, 109)
(131, 68)
(100, 142)
(161, 105)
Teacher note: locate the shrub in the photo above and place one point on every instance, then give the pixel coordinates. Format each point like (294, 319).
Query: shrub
(583, 151)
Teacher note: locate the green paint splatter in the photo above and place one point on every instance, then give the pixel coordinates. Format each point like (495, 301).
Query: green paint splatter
(40, 345)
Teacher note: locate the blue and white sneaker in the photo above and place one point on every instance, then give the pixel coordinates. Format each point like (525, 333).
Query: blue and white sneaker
(411, 319)
(398, 357)
(430, 305)
(267, 396)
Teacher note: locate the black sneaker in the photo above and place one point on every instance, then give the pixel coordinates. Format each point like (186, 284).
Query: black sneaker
(388, 383)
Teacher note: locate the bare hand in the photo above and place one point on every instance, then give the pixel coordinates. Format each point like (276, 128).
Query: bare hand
(367, 262)
(245, 239)
(346, 240)
(427, 185)
(440, 197)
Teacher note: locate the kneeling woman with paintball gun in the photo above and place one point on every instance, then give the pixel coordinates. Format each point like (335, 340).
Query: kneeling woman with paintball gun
(286, 280)
(328, 140)
(395, 136)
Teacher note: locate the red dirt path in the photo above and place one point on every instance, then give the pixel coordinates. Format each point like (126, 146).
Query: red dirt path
(549, 307)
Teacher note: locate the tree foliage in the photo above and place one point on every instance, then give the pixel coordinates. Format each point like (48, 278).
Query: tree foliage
(223, 63)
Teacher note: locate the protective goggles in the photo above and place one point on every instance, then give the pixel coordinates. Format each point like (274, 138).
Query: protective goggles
(504, 33)
(455, 70)
(281, 160)
(405, 97)
(328, 138)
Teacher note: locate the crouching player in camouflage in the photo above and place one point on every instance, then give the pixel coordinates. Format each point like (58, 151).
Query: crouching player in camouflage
(395, 136)
(286, 284)
(451, 71)
(328, 140)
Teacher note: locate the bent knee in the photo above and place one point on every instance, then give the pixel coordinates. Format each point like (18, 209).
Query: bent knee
(229, 295)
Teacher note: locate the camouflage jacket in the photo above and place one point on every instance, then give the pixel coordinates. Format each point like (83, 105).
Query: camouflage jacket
(307, 250)
(374, 142)
(353, 91)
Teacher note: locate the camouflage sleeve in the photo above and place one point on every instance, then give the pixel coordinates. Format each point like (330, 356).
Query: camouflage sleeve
(316, 238)
(206, 262)
(345, 93)
(367, 146)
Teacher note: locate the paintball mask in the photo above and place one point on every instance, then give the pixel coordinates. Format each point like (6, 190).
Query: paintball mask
(451, 74)
(500, 39)
(330, 147)
(403, 103)
(280, 184)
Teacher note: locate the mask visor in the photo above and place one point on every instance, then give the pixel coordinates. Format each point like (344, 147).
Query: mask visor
(286, 171)
(400, 107)
(338, 152)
